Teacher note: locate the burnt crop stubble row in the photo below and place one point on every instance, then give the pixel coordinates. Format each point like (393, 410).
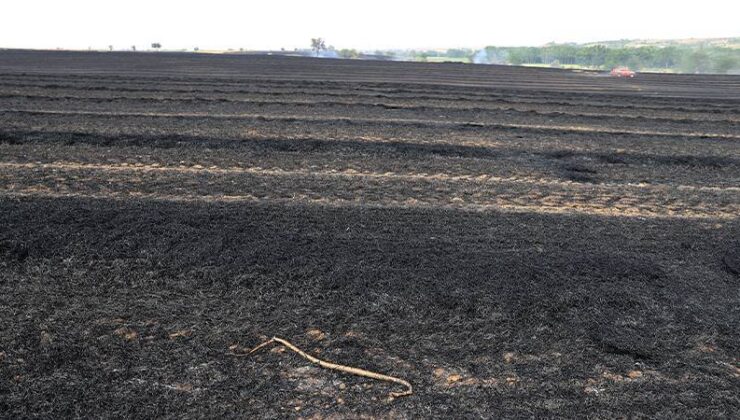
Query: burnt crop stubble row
(513, 241)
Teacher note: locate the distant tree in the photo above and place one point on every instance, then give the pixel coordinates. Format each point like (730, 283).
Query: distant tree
(691, 59)
(196, 49)
(696, 62)
(156, 45)
(516, 57)
(459, 53)
(317, 45)
(667, 57)
(346, 53)
(616, 57)
(496, 55)
(422, 56)
(725, 63)
(635, 62)
(110, 47)
(133, 48)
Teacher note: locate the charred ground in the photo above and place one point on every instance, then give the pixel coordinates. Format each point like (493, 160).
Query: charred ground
(514, 242)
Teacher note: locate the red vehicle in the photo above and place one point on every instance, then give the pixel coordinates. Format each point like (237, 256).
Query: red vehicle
(622, 72)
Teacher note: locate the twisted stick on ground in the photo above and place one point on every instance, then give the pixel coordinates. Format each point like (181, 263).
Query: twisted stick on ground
(342, 368)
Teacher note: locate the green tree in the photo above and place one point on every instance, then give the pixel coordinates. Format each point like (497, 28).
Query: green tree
(318, 45)
(724, 63)
(696, 62)
(667, 57)
(347, 53)
(616, 57)
(458, 53)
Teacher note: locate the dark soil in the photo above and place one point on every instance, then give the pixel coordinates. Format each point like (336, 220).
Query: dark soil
(514, 242)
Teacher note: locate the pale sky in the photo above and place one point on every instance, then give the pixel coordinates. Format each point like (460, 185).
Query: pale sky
(372, 24)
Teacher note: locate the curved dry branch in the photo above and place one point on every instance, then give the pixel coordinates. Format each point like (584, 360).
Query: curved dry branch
(333, 366)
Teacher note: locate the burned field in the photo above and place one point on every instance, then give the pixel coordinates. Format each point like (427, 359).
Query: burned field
(512, 241)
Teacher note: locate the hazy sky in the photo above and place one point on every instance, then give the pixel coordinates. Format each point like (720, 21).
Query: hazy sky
(372, 24)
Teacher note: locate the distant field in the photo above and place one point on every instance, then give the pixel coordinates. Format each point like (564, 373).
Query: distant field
(516, 242)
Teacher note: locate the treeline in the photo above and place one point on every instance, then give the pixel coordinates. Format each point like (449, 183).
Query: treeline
(671, 58)
(691, 58)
